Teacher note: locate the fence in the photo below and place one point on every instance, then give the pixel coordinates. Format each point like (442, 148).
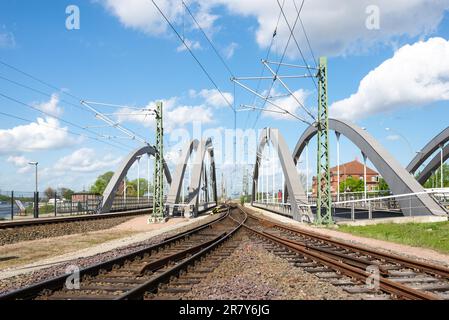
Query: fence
(374, 206)
(21, 205)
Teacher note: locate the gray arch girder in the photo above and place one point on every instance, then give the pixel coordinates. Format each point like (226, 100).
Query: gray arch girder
(300, 211)
(397, 177)
(178, 177)
(433, 165)
(120, 173)
(428, 150)
(197, 171)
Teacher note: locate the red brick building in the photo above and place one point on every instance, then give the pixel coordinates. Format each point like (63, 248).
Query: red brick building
(354, 169)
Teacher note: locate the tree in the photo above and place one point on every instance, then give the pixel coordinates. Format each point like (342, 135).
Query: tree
(49, 193)
(102, 181)
(351, 185)
(132, 187)
(383, 185)
(435, 179)
(66, 193)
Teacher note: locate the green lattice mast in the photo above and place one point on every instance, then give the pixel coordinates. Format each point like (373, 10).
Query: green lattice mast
(324, 199)
(158, 194)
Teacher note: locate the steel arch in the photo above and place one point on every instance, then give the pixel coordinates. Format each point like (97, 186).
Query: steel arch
(397, 177)
(198, 167)
(178, 177)
(301, 211)
(119, 175)
(432, 166)
(428, 150)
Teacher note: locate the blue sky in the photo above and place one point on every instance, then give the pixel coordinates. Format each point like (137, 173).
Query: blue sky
(125, 54)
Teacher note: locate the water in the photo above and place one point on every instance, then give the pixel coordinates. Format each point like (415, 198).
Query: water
(5, 211)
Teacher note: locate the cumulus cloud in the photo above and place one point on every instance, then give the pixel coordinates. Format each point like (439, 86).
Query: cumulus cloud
(213, 98)
(51, 107)
(20, 162)
(192, 44)
(178, 115)
(44, 134)
(343, 32)
(415, 76)
(85, 160)
(288, 103)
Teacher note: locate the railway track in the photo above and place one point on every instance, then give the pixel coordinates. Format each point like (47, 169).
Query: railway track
(134, 275)
(64, 219)
(349, 266)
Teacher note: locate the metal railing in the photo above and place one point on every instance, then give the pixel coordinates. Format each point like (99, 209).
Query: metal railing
(401, 205)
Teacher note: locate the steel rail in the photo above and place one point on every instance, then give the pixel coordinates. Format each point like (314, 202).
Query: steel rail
(152, 284)
(73, 218)
(411, 263)
(57, 283)
(386, 285)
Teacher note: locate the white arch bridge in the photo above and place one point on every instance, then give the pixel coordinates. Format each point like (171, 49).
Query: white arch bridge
(186, 195)
(408, 197)
(193, 186)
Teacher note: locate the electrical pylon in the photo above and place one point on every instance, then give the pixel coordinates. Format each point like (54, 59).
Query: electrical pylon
(324, 199)
(158, 194)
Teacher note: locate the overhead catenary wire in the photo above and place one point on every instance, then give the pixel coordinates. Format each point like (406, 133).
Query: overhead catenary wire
(266, 99)
(266, 58)
(292, 33)
(208, 39)
(88, 108)
(63, 129)
(193, 55)
(307, 37)
(52, 116)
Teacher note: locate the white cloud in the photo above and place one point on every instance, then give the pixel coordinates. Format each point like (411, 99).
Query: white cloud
(193, 45)
(288, 103)
(213, 98)
(21, 162)
(230, 50)
(178, 115)
(343, 31)
(44, 134)
(51, 107)
(416, 75)
(85, 160)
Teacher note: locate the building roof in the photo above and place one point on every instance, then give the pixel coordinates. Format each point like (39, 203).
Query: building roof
(353, 168)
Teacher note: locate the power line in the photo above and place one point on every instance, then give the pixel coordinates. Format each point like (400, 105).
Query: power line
(39, 80)
(266, 58)
(209, 40)
(52, 116)
(307, 37)
(62, 129)
(39, 92)
(88, 108)
(296, 42)
(282, 58)
(192, 54)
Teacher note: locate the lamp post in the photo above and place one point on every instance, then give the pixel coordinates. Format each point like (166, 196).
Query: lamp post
(36, 193)
(138, 179)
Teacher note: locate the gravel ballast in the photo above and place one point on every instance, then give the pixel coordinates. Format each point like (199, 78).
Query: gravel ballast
(35, 232)
(253, 273)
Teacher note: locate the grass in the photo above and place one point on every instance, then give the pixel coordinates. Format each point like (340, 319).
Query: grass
(427, 235)
(28, 252)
